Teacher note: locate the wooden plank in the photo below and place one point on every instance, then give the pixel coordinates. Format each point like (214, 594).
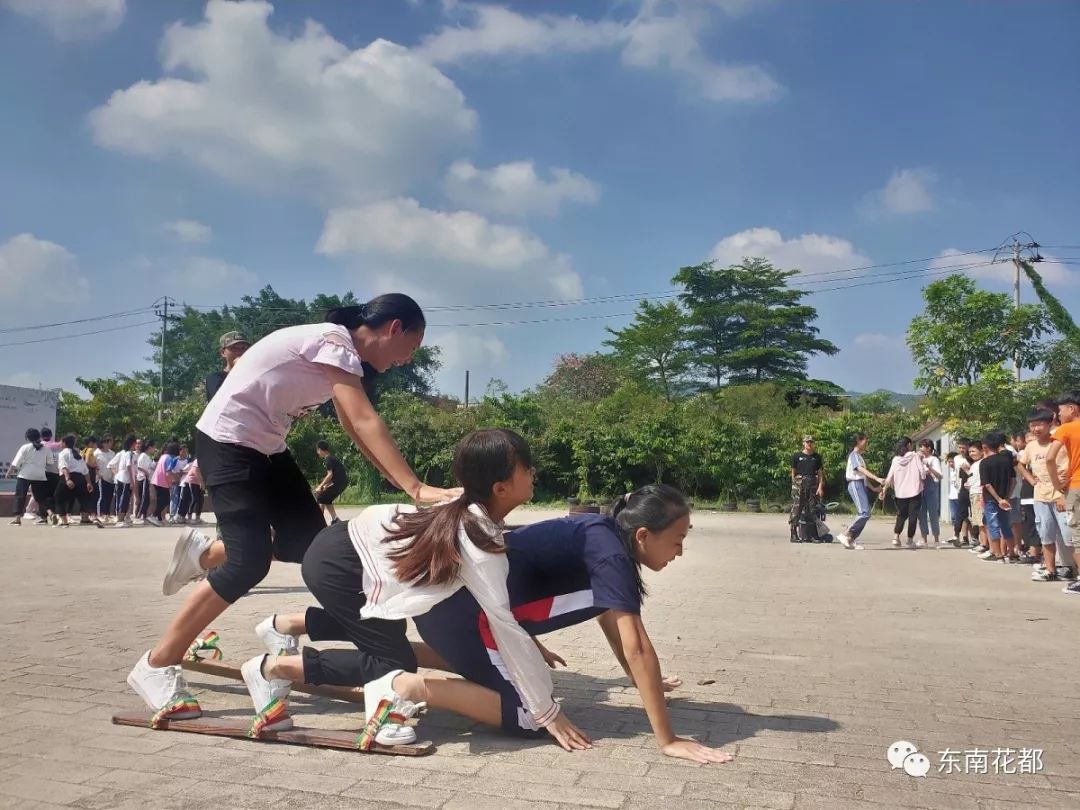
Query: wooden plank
(352, 694)
(321, 738)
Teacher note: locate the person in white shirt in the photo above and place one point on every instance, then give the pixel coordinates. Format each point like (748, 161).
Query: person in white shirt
(29, 465)
(74, 488)
(857, 475)
(144, 469)
(106, 507)
(124, 467)
(394, 562)
(264, 506)
(930, 506)
(975, 494)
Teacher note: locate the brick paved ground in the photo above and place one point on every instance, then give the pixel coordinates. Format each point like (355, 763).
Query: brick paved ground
(821, 658)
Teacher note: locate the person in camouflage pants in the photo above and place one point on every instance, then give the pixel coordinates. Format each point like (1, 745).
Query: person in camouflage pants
(807, 486)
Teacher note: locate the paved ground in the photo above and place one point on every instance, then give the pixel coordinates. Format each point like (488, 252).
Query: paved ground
(815, 659)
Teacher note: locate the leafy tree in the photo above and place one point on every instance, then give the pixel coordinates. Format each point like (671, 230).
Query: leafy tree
(117, 406)
(655, 345)
(747, 325)
(583, 377)
(964, 330)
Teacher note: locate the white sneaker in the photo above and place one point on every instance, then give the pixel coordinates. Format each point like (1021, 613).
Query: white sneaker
(161, 687)
(845, 541)
(920, 544)
(264, 692)
(153, 521)
(276, 643)
(185, 566)
(391, 733)
(986, 555)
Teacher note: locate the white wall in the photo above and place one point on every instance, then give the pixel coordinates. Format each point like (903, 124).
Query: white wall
(22, 408)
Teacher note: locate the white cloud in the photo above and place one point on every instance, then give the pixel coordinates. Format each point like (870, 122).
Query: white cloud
(72, 19)
(515, 189)
(661, 36)
(876, 340)
(908, 191)
(450, 255)
(207, 274)
(37, 276)
(460, 350)
(188, 230)
(810, 253)
(297, 113)
(957, 261)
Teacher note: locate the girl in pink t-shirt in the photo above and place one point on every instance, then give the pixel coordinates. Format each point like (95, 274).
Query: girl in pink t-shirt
(264, 506)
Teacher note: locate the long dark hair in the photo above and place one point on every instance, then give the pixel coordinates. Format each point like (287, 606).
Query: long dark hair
(33, 435)
(654, 507)
(129, 442)
(903, 445)
(433, 555)
(379, 310)
(69, 441)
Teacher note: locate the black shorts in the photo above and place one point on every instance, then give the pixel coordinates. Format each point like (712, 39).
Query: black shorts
(327, 497)
(264, 510)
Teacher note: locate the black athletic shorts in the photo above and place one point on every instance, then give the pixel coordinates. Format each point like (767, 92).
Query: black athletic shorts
(328, 496)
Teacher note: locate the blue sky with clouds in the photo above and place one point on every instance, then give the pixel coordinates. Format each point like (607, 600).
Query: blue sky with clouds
(473, 153)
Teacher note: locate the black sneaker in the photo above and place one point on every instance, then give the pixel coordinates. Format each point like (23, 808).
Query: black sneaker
(1027, 559)
(1073, 588)
(1066, 573)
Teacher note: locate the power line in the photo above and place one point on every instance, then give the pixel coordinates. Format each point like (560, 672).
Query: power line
(123, 314)
(77, 334)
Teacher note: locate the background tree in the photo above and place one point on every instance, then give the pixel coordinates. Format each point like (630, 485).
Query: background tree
(655, 346)
(583, 377)
(964, 330)
(747, 325)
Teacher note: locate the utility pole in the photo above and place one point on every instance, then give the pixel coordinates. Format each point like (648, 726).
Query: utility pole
(163, 313)
(1030, 249)
(466, 389)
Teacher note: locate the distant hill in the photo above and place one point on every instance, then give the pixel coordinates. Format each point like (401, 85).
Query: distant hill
(905, 401)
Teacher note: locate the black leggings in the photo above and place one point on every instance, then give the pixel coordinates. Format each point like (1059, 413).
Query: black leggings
(74, 499)
(161, 501)
(264, 509)
(334, 575)
(907, 509)
(49, 502)
(191, 500)
(24, 486)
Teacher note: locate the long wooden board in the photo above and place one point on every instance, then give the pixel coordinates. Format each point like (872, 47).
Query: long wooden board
(352, 694)
(320, 738)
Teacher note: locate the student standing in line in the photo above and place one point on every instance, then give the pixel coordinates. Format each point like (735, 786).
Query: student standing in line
(125, 467)
(1026, 530)
(144, 472)
(191, 495)
(930, 505)
(29, 466)
(176, 476)
(74, 488)
(857, 475)
(1051, 519)
(997, 471)
(1067, 445)
(88, 451)
(161, 480)
(333, 484)
(103, 456)
(263, 502)
(962, 465)
(977, 518)
(52, 475)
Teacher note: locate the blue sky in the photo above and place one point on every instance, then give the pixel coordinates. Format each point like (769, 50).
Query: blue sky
(473, 153)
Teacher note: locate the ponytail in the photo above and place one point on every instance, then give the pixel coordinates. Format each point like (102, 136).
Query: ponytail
(653, 507)
(33, 435)
(432, 555)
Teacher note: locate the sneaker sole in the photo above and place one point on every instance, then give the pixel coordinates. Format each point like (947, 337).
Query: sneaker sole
(281, 725)
(183, 545)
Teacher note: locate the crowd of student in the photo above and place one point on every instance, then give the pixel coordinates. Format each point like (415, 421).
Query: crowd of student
(100, 486)
(1012, 499)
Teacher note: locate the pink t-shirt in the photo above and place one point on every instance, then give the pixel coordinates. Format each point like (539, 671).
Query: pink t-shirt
(277, 380)
(160, 478)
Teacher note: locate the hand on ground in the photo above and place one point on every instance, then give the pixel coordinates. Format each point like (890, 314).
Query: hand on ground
(566, 734)
(695, 752)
